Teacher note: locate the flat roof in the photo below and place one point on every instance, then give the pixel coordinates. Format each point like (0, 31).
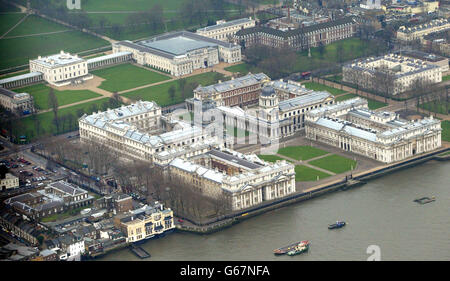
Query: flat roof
(60, 59)
(20, 77)
(179, 45)
(225, 24)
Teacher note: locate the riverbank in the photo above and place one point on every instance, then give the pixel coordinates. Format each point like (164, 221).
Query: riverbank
(345, 184)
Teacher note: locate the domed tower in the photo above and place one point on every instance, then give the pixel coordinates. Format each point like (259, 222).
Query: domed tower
(268, 104)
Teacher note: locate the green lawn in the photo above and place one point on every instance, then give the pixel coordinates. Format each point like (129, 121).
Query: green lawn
(319, 87)
(14, 74)
(34, 25)
(445, 125)
(304, 173)
(40, 93)
(270, 158)
(27, 126)
(441, 107)
(301, 152)
(7, 21)
(18, 51)
(159, 93)
(243, 68)
(446, 78)
(335, 163)
(64, 215)
(372, 104)
(127, 76)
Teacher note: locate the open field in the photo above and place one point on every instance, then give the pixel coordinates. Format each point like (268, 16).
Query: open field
(18, 51)
(319, 87)
(27, 126)
(40, 93)
(127, 76)
(373, 104)
(242, 68)
(7, 21)
(35, 25)
(160, 95)
(301, 152)
(304, 173)
(14, 74)
(335, 163)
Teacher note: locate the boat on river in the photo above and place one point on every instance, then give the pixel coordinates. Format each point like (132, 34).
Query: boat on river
(288, 248)
(338, 224)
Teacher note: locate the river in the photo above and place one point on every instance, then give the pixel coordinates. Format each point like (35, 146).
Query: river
(381, 213)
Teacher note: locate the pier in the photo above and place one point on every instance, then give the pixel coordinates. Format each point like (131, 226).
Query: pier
(139, 252)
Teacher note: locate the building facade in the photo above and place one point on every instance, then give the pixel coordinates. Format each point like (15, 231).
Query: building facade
(300, 38)
(400, 73)
(383, 136)
(224, 30)
(243, 180)
(417, 32)
(180, 53)
(17, 103)
(10, 181)
(61, 69)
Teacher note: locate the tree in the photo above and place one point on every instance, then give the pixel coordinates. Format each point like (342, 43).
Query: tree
(172, 93)
(53, 102)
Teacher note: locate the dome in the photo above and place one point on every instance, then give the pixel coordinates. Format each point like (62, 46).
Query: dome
(267, 91)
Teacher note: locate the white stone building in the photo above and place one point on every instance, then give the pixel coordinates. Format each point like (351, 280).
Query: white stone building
(245, 180)
(403, 72)
(136, 130)
(224, 30)
(180, 53)
(61, 69)
(10, 181)
(417, 32)
(19, 103)
(382, 136)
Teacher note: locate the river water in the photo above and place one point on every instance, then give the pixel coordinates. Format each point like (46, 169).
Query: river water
(381, 213)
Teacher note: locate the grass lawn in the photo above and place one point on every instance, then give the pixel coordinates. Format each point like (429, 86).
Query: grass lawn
(445, 125)
(18, 51)
(441, 107)
(7, 21)
(373, 104)
(40, 93)
(14, 74)
(446, 78)
(319, 87)
(26, 126)
(303, 173)
(160, 95)
(301, 152)
(127, 76)
(335, 163)
(243, 68)
(34, 25)
(270, 158)
(65, 215)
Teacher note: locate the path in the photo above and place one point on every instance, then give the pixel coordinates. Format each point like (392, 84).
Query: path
(36, 34)
(11, 29)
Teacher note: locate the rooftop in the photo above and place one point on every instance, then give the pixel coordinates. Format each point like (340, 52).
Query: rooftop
(58, 60)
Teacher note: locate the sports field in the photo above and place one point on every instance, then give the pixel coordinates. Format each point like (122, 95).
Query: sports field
(304, 173)
(335, 163)
(301, 152)
(127, 76)
(40, 94)
(160, 93)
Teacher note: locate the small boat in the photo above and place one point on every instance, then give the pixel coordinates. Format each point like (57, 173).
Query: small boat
(298, 250)
(288, 248)
(425, 200)
(338, 224)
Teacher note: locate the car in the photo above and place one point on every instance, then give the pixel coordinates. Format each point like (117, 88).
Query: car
(180, 220)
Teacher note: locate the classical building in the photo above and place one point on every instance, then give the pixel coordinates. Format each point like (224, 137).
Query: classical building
(139, 131)
(17, 103)
(438, 42)
(10, 181)
(145, 223)
(407, 34)
(61, 69)
(400, 73)
(180, 53)
(407, 7)
(383, 136)
(243, 180)
(224, 30)
(288, 89)
(440, 61)
(242, 91)
(73, 196)
(300, 38)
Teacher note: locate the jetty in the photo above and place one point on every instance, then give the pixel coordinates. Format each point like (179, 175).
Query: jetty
(139, 252)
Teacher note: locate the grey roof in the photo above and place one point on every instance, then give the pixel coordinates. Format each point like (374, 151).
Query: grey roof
(67, 188)
(178, 45)
(106, 57)
(244, 81)
(304, 100)
(225, 24)
(20, 77)
(268, 91)
(235, 159)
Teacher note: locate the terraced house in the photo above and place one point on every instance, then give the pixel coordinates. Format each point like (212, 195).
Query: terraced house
(300, 38)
